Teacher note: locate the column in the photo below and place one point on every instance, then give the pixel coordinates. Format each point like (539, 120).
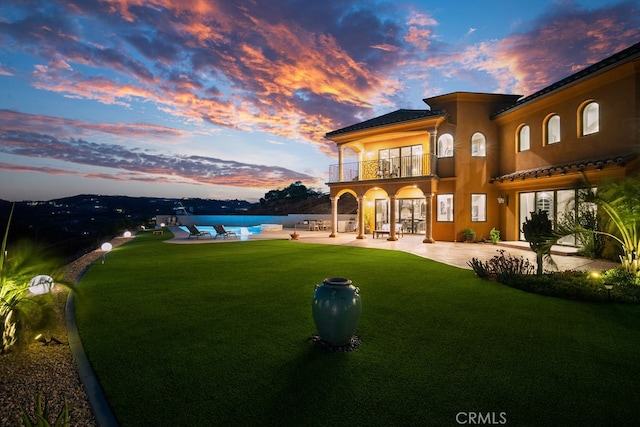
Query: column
(433, 142)
(392, 218)
(428, 221)
(334, 216)
(361, 234)
(340, 165)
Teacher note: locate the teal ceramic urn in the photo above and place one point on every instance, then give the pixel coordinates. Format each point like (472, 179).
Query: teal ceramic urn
(336, 310)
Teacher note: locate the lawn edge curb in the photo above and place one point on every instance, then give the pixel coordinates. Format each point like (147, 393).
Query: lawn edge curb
(99, 406)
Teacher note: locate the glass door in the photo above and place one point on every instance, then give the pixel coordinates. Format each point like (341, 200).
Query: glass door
(411, 215)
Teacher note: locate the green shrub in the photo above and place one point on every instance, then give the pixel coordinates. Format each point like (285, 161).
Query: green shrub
(501, 264)
(41, 418)
(574, 285)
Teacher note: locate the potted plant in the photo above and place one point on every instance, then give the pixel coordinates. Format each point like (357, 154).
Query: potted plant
(294, 235)
(469, 235)
(495, 235)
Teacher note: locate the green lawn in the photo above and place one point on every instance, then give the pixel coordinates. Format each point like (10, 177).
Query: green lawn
(218, 334)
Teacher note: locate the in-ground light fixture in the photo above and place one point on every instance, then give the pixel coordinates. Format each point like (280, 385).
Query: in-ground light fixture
(41, 284)
(106, 248)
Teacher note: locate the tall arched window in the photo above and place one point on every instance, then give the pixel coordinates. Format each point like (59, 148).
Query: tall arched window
(590, 118)
(478, 145)
(523, 138)
(553, 129)
(445, 145)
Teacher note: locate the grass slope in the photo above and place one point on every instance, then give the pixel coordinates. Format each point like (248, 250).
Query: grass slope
(218, 334)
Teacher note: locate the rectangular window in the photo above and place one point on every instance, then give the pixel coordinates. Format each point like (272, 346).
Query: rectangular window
(478, 207)
(445, 207)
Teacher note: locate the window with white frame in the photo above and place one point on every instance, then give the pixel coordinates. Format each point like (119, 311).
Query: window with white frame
(445, 207)
(478, 207)
(553, 129)
(523, 138)
(445, 145)
(478, 145)
(591, 118)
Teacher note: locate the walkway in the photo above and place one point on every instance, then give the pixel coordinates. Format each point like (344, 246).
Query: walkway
(452, 253)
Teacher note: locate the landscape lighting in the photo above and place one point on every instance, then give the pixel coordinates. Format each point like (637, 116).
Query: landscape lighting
(106, 248)
(41, 284)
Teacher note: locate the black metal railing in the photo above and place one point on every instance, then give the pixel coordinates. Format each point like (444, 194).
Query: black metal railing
(397, 167)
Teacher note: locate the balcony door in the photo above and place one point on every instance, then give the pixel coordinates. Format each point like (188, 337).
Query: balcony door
(400, 161)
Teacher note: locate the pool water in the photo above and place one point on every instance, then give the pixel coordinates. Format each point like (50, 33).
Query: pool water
(240, 231)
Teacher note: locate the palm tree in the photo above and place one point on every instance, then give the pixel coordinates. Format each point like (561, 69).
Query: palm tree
(538, 231)
(619, 201)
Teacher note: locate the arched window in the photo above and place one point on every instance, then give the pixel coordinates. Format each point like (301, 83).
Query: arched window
(478, 145)
(590, 118)
(553, 129)
(523, 138)
(445, 145)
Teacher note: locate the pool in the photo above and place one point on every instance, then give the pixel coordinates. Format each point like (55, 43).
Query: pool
(243, 232)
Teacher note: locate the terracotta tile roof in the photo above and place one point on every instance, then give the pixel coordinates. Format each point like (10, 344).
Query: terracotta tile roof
(397, 116)
(622, 56)
(562, 169)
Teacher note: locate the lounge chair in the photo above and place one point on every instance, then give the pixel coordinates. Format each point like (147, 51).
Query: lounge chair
(193, 231)
(224, 233)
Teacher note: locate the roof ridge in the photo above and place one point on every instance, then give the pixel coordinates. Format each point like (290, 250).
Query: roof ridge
(397, 116)
(608, 61)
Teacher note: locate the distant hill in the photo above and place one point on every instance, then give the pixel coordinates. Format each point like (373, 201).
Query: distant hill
(312, 205)
(72, 226)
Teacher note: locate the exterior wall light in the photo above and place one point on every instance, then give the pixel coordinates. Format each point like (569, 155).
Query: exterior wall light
(503, 199)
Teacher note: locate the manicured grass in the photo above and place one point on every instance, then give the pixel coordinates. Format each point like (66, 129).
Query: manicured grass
(218, 334)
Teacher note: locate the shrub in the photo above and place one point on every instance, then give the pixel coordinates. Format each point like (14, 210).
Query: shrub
(42, 415)
(501, 264)
(574, 285)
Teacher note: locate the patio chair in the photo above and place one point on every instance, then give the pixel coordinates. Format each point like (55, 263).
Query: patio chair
(193, 231)
(223, 232)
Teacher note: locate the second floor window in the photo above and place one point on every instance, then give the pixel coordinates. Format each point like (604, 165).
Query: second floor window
(478, 145)
(523, 138)
(591, 118)
(553, 129)
(445, 145)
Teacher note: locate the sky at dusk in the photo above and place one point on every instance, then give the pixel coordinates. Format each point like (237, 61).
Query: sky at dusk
(229, 99)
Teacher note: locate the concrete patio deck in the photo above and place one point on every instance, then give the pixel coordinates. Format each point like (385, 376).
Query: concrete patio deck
(452, 253)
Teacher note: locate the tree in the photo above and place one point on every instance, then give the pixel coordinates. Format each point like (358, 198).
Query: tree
(538, 231)
(620, 202)
(581, 217)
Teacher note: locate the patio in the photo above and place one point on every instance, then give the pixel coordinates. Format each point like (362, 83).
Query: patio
(452, 253)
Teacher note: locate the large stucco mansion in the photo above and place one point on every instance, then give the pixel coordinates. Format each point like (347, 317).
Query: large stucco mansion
(483, 160)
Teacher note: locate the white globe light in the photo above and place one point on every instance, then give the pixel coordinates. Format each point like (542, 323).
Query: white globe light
(41, 284)
(106, 247)
(127, 234)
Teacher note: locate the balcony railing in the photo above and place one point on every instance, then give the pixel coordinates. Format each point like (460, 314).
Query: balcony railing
(397, 167)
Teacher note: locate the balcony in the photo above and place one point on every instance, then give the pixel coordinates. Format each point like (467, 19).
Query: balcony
(397, 167)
